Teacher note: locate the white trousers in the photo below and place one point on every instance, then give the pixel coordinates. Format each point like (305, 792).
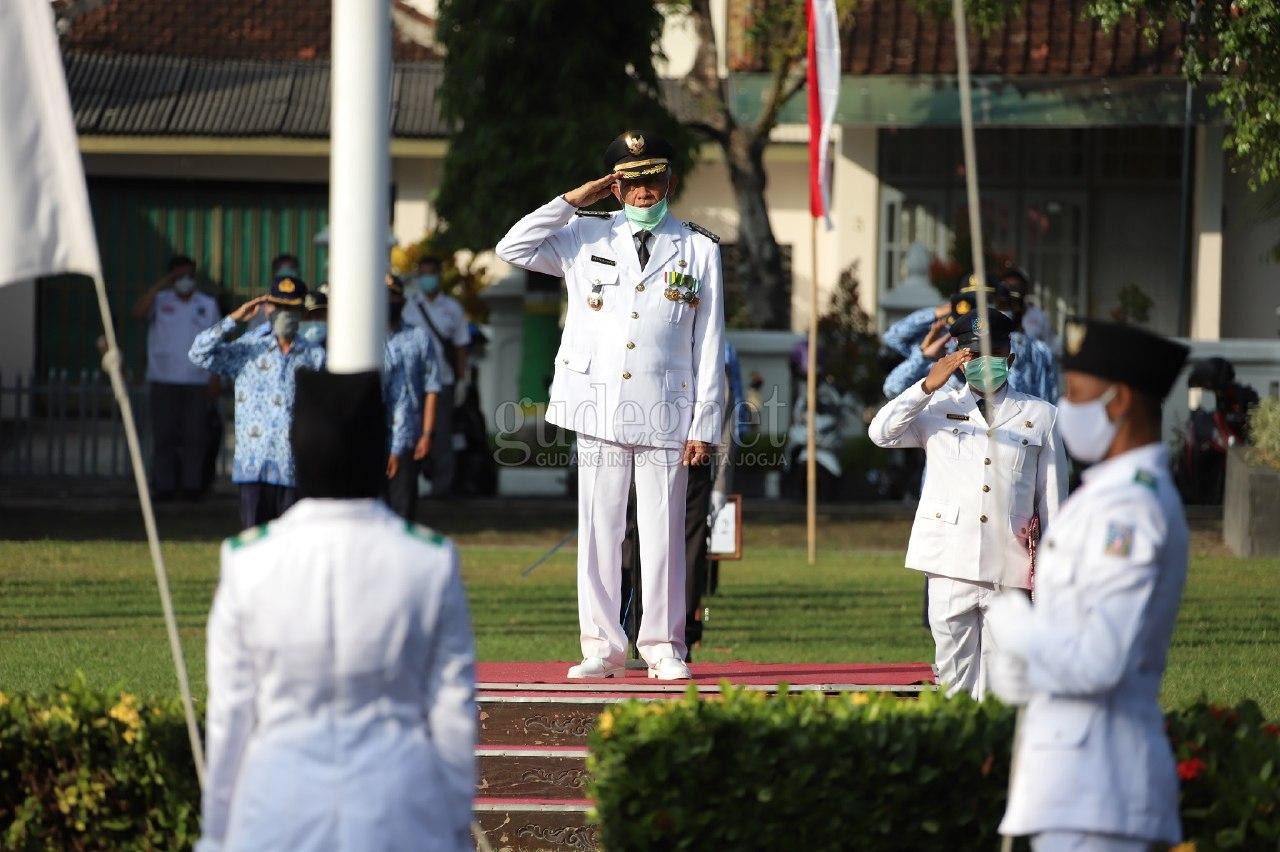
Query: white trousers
(604, 478)
(962, 641)
(1074, 841)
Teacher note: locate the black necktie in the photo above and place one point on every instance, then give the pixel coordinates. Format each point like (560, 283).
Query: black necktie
(642, 240)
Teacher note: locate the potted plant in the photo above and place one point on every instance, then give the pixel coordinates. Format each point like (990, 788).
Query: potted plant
(1249, 525)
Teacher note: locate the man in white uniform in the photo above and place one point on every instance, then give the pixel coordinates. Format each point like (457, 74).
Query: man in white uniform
(640, 378)
(1093, 770)
(341, 664)
(994, 470)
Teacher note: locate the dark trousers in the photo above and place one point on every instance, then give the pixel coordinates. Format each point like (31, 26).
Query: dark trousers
(441, 457)
(261, 503)
(697, 505)
(180, 437)
(401, 491)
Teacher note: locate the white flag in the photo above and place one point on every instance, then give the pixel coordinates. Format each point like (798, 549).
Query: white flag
(45, 223)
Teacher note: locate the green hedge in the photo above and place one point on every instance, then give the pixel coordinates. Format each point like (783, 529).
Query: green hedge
(868, 771)
(80, 769)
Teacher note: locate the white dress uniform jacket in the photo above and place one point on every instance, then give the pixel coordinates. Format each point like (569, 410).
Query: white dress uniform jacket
(643, 370)
(960, 529)
(341, 687)
(1088, 657)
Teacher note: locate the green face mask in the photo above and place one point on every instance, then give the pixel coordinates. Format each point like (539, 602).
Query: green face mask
(976, 375)
(646, 217)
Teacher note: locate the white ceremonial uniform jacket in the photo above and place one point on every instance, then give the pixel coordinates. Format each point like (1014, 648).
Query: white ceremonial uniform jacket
(341, 687)
(1088, 657)
(642, 370)
(960, 529)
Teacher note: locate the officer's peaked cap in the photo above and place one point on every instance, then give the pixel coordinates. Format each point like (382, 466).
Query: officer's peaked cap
(972, 327)
(287, 290)
(636, 154)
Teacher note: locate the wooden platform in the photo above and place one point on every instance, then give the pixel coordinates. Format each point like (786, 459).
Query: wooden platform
(534, 724)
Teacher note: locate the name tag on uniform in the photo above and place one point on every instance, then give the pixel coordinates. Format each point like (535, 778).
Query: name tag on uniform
(957, 417)
(606, 261)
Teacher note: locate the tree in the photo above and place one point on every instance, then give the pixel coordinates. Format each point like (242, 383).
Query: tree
(536, 90)
(777, 32)
(1232, 45)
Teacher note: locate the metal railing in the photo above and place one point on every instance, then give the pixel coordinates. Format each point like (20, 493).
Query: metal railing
(66, 424)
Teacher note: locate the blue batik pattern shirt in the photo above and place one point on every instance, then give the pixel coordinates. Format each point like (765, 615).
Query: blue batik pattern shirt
(908, 333)
(264, 387)
(410, 371)
(1034, 371)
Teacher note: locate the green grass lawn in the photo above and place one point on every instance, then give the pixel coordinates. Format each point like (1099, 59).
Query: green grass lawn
(91, 604)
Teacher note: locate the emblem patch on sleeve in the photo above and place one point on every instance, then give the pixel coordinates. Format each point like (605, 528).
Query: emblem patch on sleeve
(1119, 540)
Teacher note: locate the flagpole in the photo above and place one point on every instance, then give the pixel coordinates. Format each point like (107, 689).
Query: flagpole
(359, 184)
(812, 382)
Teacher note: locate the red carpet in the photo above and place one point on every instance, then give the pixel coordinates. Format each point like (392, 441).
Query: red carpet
(550, 676)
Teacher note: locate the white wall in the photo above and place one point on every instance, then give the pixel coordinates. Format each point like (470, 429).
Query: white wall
(1134, 239)
(1251, 278)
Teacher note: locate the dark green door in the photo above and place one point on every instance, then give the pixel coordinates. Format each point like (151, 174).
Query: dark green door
(232, 230)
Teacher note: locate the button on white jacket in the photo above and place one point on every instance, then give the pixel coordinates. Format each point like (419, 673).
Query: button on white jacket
(983, 483)
(643, 369)
(341, 687)
(1088, 657)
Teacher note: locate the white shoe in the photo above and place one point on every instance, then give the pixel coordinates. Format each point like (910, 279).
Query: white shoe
(595, 667)
(669, 668)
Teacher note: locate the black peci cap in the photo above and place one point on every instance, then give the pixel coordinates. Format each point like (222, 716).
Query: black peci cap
(969, 329)
(339, 434)
(633, 154)
(1143, 360)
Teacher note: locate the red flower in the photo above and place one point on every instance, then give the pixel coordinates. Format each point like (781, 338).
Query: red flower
(1272, 730)
(1189, 770)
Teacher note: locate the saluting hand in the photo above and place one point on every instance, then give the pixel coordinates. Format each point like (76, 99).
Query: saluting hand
(591, 191)
(942, 370)
(935, 341)
(248, 310)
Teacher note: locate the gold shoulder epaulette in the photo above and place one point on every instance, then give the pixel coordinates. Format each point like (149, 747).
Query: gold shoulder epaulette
(694, 226)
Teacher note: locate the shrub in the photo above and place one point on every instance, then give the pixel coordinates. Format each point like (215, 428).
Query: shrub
(870, 771)
(1264, 431)
(81, 769)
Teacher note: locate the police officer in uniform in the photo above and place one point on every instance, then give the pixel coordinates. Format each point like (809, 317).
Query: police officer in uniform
(993, 464)
(1093, 769)
(639, 377)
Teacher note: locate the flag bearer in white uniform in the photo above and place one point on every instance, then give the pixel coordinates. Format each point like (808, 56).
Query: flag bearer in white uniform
(1093, 770)
(639, 377)
(994, 471)
(341, 666)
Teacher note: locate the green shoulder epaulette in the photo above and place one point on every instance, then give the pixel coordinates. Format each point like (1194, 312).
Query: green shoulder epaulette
(425, 533)
(694, 226)
(595, 214)
(1145, 477)
(249, 536)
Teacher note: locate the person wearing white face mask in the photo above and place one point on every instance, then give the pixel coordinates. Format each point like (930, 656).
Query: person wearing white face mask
(262, 366)
(1093, 769)
(444, 320)
(994, 471)
(180, 392)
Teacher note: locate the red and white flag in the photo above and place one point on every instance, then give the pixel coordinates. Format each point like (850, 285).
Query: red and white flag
(45, 224)
(824, 92)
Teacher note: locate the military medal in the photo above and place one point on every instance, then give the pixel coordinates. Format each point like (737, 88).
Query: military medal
(681, 288)
(595, 301)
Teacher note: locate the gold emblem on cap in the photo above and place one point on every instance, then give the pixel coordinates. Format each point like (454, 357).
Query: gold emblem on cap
(1075, 337)
(962, 308)
(287, 286)
(634, 143)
